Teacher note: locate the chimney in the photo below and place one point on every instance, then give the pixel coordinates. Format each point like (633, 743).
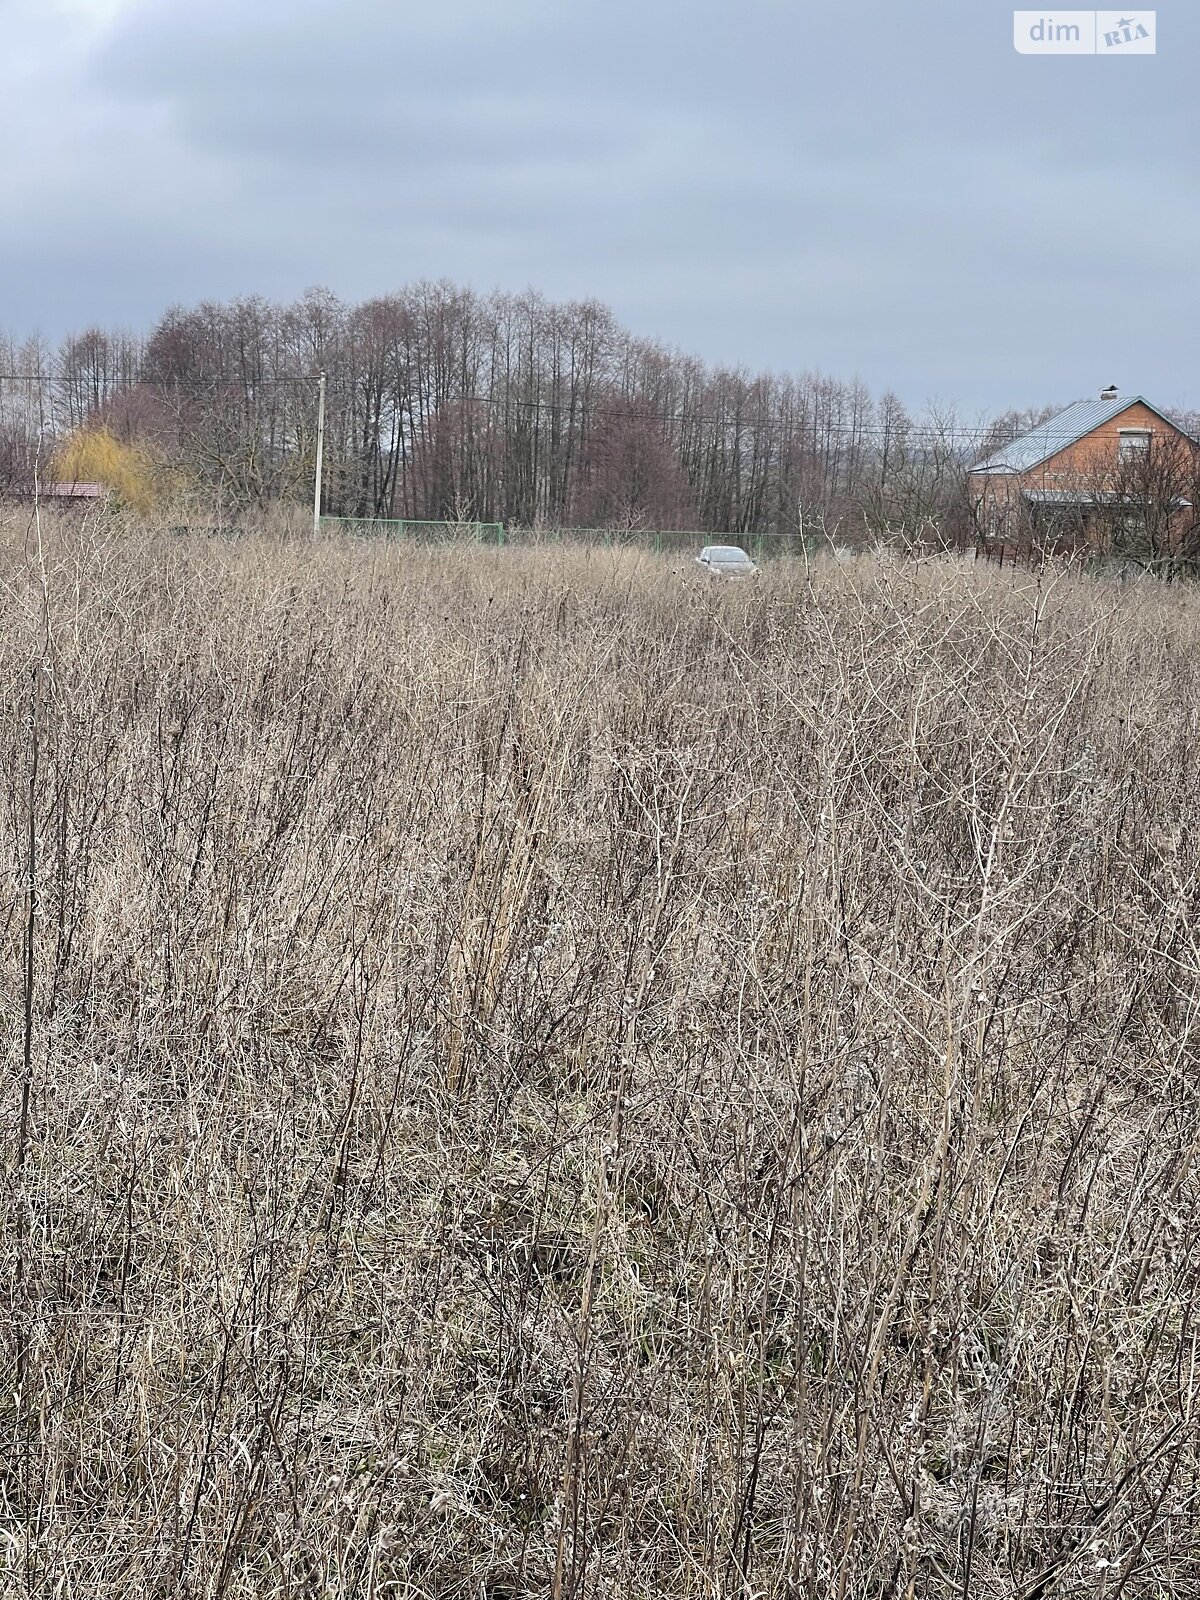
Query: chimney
(1110, 393)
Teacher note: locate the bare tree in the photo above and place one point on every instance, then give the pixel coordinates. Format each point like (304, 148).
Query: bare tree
(1151, 515)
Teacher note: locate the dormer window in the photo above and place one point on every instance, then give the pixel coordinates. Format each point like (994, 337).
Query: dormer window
(1132, 443)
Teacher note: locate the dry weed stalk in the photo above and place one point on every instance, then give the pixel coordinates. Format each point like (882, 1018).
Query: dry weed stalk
(529, 1074)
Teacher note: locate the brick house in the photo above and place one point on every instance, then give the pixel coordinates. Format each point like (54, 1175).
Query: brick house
(1109, 474)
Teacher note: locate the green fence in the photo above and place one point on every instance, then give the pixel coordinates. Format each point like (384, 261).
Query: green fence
(679, 541)
(421, 530)
(659, 541)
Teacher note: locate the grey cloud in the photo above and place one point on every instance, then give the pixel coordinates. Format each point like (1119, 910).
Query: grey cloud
(880, 189)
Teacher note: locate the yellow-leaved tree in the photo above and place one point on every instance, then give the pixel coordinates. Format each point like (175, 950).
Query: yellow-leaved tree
(93, 455)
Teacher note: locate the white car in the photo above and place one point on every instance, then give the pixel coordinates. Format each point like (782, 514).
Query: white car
(726, 561)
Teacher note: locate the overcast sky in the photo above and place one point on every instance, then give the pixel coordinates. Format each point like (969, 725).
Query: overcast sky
(880, 189)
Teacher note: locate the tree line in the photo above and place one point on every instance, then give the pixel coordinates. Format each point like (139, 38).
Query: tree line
(443, 403)
(446, 404)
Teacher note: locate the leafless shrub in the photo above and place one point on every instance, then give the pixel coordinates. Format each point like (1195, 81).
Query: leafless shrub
(530, 1074)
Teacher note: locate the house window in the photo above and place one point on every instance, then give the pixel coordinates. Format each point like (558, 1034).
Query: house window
(1133, 443)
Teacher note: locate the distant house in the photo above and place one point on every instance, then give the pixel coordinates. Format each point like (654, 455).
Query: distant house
(1108, 474)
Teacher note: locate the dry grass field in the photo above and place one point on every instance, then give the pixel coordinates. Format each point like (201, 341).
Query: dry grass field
(527, 1074)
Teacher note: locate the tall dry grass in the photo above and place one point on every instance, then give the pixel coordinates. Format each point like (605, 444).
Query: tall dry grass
(526, 1074)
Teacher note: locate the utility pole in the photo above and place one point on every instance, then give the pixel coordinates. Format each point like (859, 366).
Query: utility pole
(320, 454)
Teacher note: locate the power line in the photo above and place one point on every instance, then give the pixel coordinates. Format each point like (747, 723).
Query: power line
(143, 383)
(902, 434)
